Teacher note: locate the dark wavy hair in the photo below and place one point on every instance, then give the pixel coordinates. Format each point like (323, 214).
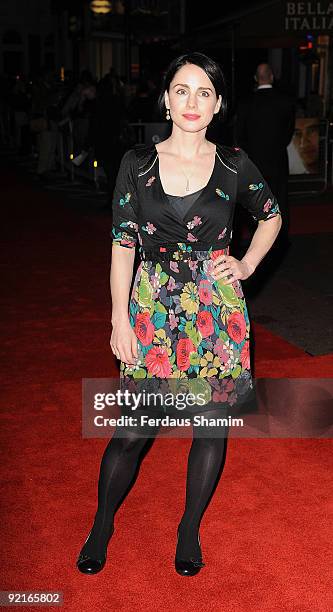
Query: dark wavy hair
(211, 68)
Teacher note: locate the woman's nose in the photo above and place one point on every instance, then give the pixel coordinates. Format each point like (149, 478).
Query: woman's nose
(191, 103)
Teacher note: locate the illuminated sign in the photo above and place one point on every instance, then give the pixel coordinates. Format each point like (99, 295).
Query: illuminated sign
(313, 16)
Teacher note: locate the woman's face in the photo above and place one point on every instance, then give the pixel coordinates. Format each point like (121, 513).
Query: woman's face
(192, 99)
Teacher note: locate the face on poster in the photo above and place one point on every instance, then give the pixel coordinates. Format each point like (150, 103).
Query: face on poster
(303, 151)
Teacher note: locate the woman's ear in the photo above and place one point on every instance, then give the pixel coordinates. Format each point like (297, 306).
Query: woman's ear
(218, 104)
(166, 99)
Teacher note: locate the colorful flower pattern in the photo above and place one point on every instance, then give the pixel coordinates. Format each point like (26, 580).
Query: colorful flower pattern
(188, 325)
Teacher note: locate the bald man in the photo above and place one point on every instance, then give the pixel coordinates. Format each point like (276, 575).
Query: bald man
(265, 123)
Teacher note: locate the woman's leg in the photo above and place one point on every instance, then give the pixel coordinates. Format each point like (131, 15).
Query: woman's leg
(119, 463)
(205, 465)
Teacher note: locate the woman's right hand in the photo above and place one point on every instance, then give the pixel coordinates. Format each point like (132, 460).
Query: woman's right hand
(123, 342)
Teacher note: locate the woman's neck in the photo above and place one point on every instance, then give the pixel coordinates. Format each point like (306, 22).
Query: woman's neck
(186, 145)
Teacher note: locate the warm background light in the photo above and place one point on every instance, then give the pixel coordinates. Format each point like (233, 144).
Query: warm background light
(100, 7)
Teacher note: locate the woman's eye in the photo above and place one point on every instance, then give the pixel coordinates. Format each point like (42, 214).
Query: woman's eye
(205, 93)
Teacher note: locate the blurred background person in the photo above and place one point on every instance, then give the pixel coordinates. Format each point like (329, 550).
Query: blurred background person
(143, 105)
(265, 123)
(20, 104)
(83, 123)
(79, 108)
(110, 128)
(44, 122)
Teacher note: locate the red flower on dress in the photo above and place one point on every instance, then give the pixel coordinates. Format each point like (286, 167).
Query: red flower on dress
(224, 391)
(236, 327)
(185, 346)
(205, 292)
(216, 254)
(245, 356)
(205, 323)
(144, 328)
(158, 363)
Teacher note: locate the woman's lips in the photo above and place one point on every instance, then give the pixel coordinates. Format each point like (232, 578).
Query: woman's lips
(191, 117)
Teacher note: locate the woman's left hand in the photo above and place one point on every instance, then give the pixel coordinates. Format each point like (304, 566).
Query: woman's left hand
(230, 269)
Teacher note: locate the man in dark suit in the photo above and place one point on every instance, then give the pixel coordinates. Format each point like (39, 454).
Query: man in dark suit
(265, 124)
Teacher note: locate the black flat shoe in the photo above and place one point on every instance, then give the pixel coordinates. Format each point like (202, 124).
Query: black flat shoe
(89, 565)
(188, 567)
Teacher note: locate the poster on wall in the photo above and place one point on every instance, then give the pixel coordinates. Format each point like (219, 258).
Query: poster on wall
(303, 150)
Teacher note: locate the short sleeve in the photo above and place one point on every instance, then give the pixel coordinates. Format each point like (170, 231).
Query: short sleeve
(125, 203)
(253, 192)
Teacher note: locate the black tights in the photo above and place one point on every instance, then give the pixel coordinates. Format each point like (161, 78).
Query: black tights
(120, 462)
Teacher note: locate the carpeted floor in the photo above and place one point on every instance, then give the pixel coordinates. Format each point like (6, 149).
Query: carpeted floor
(266, 536)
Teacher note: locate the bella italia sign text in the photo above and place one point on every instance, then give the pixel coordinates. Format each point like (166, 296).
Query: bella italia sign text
(312, 16)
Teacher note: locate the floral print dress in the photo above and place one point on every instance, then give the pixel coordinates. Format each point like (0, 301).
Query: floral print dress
(190, 328)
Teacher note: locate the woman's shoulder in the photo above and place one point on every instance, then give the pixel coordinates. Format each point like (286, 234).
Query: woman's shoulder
(230, 156)
(136, 161)
(139, 155)
(233, 153)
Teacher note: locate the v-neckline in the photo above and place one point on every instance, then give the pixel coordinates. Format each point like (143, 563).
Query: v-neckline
(203, 190)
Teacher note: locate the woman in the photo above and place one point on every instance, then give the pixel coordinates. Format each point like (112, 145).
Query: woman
(187, 320)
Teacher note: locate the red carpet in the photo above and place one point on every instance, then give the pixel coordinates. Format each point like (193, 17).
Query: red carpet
(266, 534)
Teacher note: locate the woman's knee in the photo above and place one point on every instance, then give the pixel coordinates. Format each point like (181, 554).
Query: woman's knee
(129, 442)
(212, 428)
(209, 440)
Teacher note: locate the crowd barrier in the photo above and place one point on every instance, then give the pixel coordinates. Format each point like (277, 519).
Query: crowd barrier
(148, 133)
(90, 169)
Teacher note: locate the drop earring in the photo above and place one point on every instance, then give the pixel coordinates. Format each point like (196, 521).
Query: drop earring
(167, 114)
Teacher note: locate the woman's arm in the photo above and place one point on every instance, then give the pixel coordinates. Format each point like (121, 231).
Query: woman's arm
(262, 240)
(123, 339)
(120, 281)
(124, 343)
(255, 195)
